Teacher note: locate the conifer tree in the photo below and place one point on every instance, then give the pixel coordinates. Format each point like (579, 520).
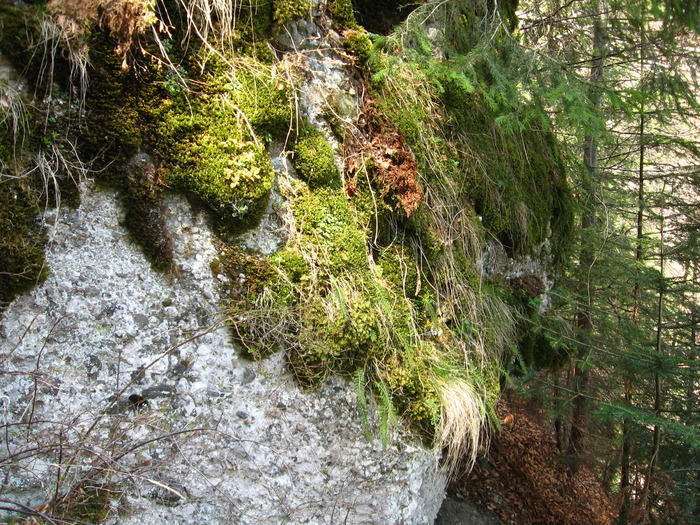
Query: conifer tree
(638, 367)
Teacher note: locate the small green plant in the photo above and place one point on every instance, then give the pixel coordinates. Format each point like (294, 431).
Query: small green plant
(387, 413)
(175, 80)
(361, 393)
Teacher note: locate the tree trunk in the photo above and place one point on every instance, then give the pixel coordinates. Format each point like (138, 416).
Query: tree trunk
(581, 374)
(656, 440)
(625, 488)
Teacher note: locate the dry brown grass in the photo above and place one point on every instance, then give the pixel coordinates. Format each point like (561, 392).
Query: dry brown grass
(462, 415)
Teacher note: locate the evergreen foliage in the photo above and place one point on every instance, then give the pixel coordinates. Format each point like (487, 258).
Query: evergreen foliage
(639, 351)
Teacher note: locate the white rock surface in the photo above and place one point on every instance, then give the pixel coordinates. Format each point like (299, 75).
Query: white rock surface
(197, 434)
(494, 261)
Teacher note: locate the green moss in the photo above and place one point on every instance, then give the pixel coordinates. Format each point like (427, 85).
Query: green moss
(256, 16)
(116, 123)
(353, 315)
(209, 144)
(328, 225)
(287, 10)
(142, 202)
(264, 98)
(248, 273)
(292, 263)
(210, 154)
(399, 267)
(412, 382)
(357, 41)
(118, 129)
(343, 14)
(87, 503)
(18, 42)
(213, 146)
(251, 87)
(314, 160)
(250, 281)
(21, 239)
(337, 333)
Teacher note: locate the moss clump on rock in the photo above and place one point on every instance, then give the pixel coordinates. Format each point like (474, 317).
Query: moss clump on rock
(414, 388)
(118, 130)
(118, 105)
(519, 183)
(21, 239)
(287, 10)
(254, 297)
(208, 136)
(328, 227)
(258, 92)
(341, 311)
(210, 154)
(339, 332)
(142, 203)
(357, 41)
(314, 160)
(343, 14)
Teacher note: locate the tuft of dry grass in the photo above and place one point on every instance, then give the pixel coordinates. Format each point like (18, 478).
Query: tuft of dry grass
(462, 415)
(13, 113)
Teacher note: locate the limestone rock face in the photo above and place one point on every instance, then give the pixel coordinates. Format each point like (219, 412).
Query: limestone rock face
(118, 378)
(119, 385)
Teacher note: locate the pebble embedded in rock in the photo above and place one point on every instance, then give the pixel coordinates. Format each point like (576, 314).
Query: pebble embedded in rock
(170, 312)
(248, 376)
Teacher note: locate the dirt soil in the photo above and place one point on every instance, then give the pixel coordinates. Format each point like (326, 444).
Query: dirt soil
(523, 480)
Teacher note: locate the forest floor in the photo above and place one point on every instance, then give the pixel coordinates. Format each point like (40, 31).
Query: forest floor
(524, 479)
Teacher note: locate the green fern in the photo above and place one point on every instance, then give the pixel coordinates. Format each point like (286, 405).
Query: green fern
(361, 393)
(387, 413)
